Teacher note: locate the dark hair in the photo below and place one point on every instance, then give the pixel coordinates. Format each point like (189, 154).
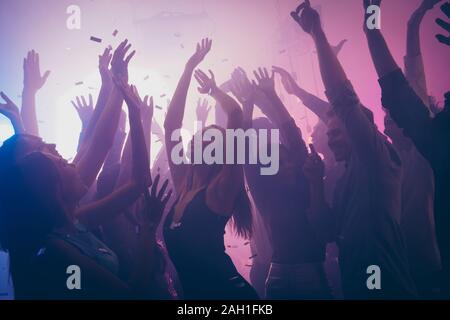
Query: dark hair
(30, 203)
(242, 215)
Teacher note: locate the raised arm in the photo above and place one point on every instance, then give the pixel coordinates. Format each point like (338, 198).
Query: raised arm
(126, 171)
(175, 112)
(115, 153)
(202, 111)
(103, 136)
(366, 139)
(147, 108)
(32, 83)
(403, 103)
(10, 110)
(224, 189)
(414, 67)
(316, 105)
(278, 114)
(106, 209)
(84, 111)
(244, 91)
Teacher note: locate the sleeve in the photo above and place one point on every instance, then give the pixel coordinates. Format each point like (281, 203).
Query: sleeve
(368, 143)
(316, 105)
(415, 75)
(407, 110)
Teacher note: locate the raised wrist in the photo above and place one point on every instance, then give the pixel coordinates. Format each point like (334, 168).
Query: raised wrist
(27, 90)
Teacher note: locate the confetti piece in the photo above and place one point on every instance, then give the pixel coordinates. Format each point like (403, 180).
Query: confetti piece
(92, 88)
(224, 60)
(177, 35)
(182, 46)
(163, 95)
(167, 76)
(282, 51)
(110, 47)
(158, 107)
(115, 33)
(158, 140)
(79, 83)
(96, 39)
(253, 256)
(146, 77)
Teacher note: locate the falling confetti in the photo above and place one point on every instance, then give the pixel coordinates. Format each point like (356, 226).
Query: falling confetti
(79, 83)
(95, 39)
(115, 33)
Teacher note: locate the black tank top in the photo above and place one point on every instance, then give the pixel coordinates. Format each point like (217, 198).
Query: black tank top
(197, 242)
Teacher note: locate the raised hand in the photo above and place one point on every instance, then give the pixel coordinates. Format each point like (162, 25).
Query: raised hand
(11, 111)
(307, 18)
(33, 80)
(84, 109)
(207, 84)
(287, 80)
(130, 94)
(103, 65)
(119, 63)
(241, 87)
(445, 25)
(202, 110)
(156, 202)
(201, 51)
(265, 82)
(314, 168)
(147, 108)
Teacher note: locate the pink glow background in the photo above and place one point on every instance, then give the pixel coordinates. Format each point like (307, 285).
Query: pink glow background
(249, 33)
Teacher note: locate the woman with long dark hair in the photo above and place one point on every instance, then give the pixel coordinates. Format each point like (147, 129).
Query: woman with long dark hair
(208, 197)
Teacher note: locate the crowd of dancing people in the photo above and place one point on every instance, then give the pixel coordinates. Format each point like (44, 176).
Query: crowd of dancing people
(353, 198)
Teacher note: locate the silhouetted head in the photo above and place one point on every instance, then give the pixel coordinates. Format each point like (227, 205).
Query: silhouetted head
(19, 145)
(338, 139)
(37, 195)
